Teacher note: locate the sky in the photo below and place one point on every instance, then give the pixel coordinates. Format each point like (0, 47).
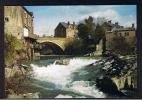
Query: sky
(46, 18)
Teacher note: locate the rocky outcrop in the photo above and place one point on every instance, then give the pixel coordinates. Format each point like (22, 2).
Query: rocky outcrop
(15, 70)
(62, 62)
(120, 74)
(16, 81)
(107, 85)
(13, 95)
(125, 82)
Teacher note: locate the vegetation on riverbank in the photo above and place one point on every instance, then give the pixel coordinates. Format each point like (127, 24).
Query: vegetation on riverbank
(16, 74)
(88, 36)
(14, 49)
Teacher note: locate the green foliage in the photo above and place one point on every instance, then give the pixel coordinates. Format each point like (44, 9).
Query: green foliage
(106, 26)
(9, 46)
(87, 30)
(90, 25)
(99, 33)
(82, 33)
(75, 47)
(90, 33)
(12, 46)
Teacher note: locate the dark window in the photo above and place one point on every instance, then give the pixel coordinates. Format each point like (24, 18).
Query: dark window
(18, 33)
(120, 34)
(6, 19)
(115, 33)
(126, 33)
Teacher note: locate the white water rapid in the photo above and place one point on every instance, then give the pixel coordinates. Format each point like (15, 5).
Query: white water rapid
(61, 76)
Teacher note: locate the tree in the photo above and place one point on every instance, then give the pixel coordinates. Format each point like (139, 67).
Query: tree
(90, 25)
(106, 26)
(82, 31)
(9, 45)
(75, 47)
(99, 33)
(44, 35)
(86, 30)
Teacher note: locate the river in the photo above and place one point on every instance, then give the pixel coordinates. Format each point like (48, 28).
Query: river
(65, 81)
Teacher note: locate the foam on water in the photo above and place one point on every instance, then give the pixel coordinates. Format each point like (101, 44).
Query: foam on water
(63, 96)
(61, 76)
(83, 87)
(68, 96)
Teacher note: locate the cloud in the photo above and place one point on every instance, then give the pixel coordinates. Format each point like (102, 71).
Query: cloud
(45, 23)
(110, 14)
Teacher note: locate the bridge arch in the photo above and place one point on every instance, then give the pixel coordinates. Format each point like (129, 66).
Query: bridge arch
(51, 48)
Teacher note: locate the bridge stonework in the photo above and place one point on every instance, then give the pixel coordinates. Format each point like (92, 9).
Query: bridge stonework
(61, 42)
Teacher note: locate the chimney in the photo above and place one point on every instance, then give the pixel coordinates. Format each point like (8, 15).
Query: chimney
(116, 23)
(133, 25)
(109, 21)
(68, 23)
(74, 23)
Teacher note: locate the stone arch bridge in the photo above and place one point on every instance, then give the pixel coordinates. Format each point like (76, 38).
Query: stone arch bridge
(56, 45)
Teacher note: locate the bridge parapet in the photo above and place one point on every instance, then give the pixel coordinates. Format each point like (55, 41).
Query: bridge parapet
(61, 42)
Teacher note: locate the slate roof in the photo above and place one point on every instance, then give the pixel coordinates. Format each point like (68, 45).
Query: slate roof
(65, 24)
(123, 29)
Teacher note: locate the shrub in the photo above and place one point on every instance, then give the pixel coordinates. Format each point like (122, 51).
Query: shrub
(11, 46)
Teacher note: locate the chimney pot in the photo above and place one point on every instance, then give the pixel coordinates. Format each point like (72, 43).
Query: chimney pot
(73, 23)
(109, 21)
(68, 23)
(133, 25)
(116, 23)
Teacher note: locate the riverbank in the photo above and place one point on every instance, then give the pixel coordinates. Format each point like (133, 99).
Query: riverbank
(107, 73)
(17, 82)
(118, 75)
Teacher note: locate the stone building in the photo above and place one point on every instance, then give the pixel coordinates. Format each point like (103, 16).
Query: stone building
(18, 21)
(128, 33)
(66, 30)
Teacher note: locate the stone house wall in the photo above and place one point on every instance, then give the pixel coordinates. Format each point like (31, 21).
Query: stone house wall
(130, 37)
(66, 30)
(17, 18)
(13, 21)
(71, 31)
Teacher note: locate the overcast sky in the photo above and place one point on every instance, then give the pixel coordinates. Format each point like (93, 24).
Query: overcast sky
(46, 18)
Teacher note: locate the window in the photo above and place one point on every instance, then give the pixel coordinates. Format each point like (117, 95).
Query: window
(6, 19)
(18, 33)
(115, 33)
(126, 33)
(120, 34)
(25, 14)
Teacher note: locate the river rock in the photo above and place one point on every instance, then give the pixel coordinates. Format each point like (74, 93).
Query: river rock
(62, 62)
(63, 96)
(16, 70)
(10, 72)
(27, 95)
(31, 95)
(107, 85)
(120, 73)
(125, 82)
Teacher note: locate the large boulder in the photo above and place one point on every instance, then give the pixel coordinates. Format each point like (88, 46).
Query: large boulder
(62, 62)
(107, 85)
(120, 74)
